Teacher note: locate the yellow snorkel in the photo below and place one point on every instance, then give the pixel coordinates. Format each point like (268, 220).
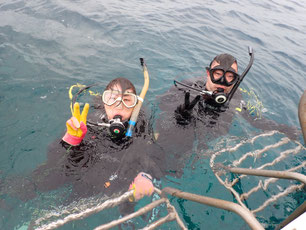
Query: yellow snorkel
(141, 97)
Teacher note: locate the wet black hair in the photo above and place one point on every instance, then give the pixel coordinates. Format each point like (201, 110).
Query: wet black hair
(224, 60)
(123, 82)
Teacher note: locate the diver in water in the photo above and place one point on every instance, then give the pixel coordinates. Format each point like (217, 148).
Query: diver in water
(218, 94)
(96, 155)
(222, 74)
(101, 145)
(210, 113)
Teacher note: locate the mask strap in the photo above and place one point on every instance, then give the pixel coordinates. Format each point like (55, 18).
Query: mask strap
(139, 98)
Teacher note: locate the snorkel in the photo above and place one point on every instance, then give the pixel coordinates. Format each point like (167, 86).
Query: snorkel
(136, 109)
(251, 53)
(219, 96)
(74, 97)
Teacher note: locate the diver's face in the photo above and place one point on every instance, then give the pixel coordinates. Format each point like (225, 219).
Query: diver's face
(212, 86)
(118, 108)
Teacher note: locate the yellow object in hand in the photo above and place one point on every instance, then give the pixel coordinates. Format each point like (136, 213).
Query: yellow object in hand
(76, 125)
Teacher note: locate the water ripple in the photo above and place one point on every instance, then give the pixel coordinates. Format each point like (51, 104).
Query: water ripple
(286, 27)
(243, 17)
(241, 35)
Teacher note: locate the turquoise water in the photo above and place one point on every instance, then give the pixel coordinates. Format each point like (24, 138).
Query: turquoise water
(47, 46)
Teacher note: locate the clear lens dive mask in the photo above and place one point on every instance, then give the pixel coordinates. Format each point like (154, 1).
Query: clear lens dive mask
(111, 97)
(220, 76)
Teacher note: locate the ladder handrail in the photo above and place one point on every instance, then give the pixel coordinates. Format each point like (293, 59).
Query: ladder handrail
(246, 215)
(270, 173)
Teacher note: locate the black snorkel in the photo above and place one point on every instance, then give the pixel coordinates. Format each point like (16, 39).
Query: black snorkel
(74, 97)
(219, 96)
(251, 53)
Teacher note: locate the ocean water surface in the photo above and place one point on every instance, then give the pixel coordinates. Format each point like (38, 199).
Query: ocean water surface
(47, 46)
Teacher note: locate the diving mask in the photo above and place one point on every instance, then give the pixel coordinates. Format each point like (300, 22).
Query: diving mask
(223, 73)
(223, 77)
(111, 97)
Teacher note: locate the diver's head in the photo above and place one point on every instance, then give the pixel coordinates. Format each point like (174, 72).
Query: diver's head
(222, 74)
(119, 99)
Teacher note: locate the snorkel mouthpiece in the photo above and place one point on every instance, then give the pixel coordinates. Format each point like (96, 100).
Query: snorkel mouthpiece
(117, 128)
(219, 96)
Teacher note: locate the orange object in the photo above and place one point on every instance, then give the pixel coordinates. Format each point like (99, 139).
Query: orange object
(107, 184)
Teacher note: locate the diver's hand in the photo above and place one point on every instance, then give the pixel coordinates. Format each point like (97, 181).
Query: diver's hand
(142, 186)
(185, 109)
(76, 125)
(290, 131)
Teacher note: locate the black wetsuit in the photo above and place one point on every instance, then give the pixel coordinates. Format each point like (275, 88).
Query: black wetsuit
(180, 135)
(100, 158)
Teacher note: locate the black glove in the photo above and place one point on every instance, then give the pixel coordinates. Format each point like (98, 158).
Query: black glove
(183, 112)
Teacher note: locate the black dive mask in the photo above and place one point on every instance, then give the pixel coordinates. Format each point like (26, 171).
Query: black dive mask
(223, 77)
(223, 74)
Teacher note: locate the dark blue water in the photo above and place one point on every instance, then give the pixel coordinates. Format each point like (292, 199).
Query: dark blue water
(47, 46)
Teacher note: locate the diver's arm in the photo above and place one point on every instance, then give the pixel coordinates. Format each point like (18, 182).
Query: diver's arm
(142, 186)
(183, 112)
(268, 125)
